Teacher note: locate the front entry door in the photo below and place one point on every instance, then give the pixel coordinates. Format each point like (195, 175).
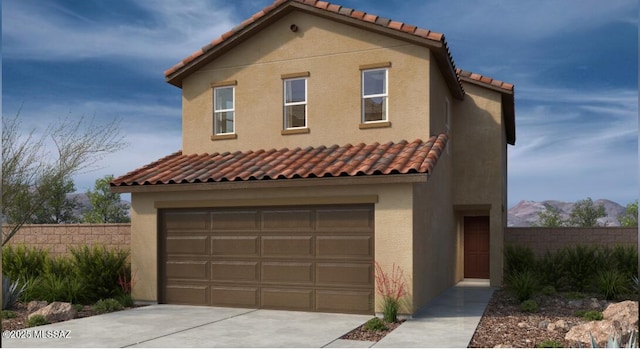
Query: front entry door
(476, 247)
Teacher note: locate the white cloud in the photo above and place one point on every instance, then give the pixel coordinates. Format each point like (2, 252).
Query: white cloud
(172, 30)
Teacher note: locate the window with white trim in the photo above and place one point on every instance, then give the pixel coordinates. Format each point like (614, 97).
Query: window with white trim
(295, 103)
(223, 110)
(374, 95)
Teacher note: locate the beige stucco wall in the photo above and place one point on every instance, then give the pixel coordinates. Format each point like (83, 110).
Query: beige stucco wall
(393, 222)
(332, 53)
(479, 166)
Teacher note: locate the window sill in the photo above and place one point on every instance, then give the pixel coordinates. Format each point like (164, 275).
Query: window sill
(295, 131)
(374, 125)
(224, 137)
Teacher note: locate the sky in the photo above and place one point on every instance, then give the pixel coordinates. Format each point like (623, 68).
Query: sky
(574, 64)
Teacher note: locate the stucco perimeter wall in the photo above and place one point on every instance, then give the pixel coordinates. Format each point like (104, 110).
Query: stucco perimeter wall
(333, 54)
(58, 239)
(393, 220)
(543, 239)
(479, 166)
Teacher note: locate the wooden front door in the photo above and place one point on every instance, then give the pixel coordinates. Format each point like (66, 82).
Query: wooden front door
(476, 247)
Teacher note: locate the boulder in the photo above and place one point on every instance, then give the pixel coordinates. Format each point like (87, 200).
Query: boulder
(626, 313)
(601, 331)
(36, 305)
(560, 325)
(56, 312)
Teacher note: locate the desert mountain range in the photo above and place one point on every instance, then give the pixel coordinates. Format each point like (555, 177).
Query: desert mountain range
(525, 213)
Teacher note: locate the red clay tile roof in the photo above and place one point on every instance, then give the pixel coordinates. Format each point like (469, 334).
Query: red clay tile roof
(466, 75)
(312, 162)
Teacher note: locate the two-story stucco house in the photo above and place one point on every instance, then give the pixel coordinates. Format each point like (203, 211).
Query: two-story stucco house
(318, 139)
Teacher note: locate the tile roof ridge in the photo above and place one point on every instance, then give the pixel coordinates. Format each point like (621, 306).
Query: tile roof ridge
(478, 78)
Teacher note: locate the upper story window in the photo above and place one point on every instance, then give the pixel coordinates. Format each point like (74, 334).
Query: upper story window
(374, 95)
(223, 110)
(295, 103)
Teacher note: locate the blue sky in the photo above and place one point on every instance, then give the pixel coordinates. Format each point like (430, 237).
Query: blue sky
(574, 64)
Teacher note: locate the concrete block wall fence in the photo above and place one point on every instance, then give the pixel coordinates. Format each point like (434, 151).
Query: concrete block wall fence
(541, 239)
(57, 239)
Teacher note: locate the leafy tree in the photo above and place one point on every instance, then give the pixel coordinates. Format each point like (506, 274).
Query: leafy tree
(106, 205)
(31, 171)
(630, 217)
(585, 213)
(57, 208)
(550, 217)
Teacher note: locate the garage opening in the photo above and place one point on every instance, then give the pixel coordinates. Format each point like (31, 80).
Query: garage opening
(310, 258)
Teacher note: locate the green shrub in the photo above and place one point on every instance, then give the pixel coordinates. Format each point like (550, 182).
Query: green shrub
(589, 315)
(78, 307)
(125, 300)
(550, 268)
(550, 344)
(36, 320)
(11, 292)
(580, 265)
(99, 269)
(529, 306)
(52, 288)
(59, 266)
(523, 284)
(549, 291)
(107, 305)
(575, 295)
(21, 262)
(390, 308)
(611, 284)
(626, 260)
(518, 259)
(6, 314)
(375, 324)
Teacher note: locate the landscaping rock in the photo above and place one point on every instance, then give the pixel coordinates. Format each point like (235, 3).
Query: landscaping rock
(575, 303)
(626, 313)
(543, 324)
(560, 324)
(601, 331)
(56, 312)
(594, 303)
(36, 305)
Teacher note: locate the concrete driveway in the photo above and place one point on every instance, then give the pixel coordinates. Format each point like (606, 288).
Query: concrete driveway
(171, 326)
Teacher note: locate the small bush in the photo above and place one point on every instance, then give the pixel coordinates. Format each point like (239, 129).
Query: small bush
(21, 262)
(52, 288)
(99, 268)
(575, 295)
(550, 344)
(589, 315)
(59, 266)
(626, 260)
(518, 259)
(549, 291)
(6, 314)
(551, 268)
(523, 284)
(611, 284)
(125, 300)
(78, 307)
(580, 265)
(529, 306)
(36, 320)
(375, 324)
(107, 305)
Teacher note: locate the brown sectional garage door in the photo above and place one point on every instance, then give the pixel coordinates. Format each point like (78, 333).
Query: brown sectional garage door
(312, 258)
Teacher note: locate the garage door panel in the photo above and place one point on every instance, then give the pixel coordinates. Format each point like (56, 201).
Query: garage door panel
(299, 220)
(234, 296)
(344, 274)
(360, 302)
(287, 273)
(229, 220)
(289, 246)
(308, 258)
(197, 270)
(240, 246)
(192, 245)
(187, 294)
(289, 299)
(354, 247)
(346, 219)
(183, 220)
(234, 271)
